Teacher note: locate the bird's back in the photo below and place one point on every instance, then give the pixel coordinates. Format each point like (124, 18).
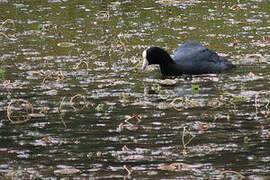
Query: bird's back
(193, 58)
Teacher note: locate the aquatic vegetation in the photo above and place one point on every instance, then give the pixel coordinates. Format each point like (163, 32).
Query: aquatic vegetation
(195, 88)
(2, 72)
(246, 139)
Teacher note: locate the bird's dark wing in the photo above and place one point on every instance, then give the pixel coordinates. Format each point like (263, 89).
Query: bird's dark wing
(192, 57)
(192, 51)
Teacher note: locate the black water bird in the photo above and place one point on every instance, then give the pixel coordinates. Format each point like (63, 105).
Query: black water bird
(190, 58)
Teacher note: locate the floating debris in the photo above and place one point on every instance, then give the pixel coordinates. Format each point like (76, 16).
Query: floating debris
(214, 103)
(190, 137)
(100, 107)
(3, 24)
(125, 148)
(135, 116)
(99, 154)
(60, 77)
(128, 125)
(67, 171)
(73, 104)
(12, 85)
(184, 103)
(60, 111)
(129, 170)
(25, 108)
(223, 173)
(204, 126)
(103, 14)
(168, 82)
(80, 64)
(66, 44)
(178, 167)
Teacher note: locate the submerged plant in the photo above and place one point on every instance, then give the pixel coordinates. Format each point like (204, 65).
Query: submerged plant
(2, 72)
(246, 139)
(195, 88)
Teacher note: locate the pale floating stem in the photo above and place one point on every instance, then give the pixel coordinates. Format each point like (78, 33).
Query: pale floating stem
(256, 103)
(120, 127)
(173, 103)
(60, 77)
(215, 103)
(183, 138)
(138, 65)
(232, 172)
(128, 170)
(192, 103)
(132, 117)
(60, 111)
(122, 43)
(62, 121)
(9, 111)
(80, 63)
(60, 106)
(204, 126)
(7, 21)
(267, 105)
(3, 24)
(4, 35)
(105, 14)
(125, 148)
(76, 96)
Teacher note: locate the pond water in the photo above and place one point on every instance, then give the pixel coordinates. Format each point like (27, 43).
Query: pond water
(75, 103)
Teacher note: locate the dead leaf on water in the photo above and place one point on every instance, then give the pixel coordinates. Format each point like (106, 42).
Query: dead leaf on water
(168, 82)
(67, 171)
(65, 44)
